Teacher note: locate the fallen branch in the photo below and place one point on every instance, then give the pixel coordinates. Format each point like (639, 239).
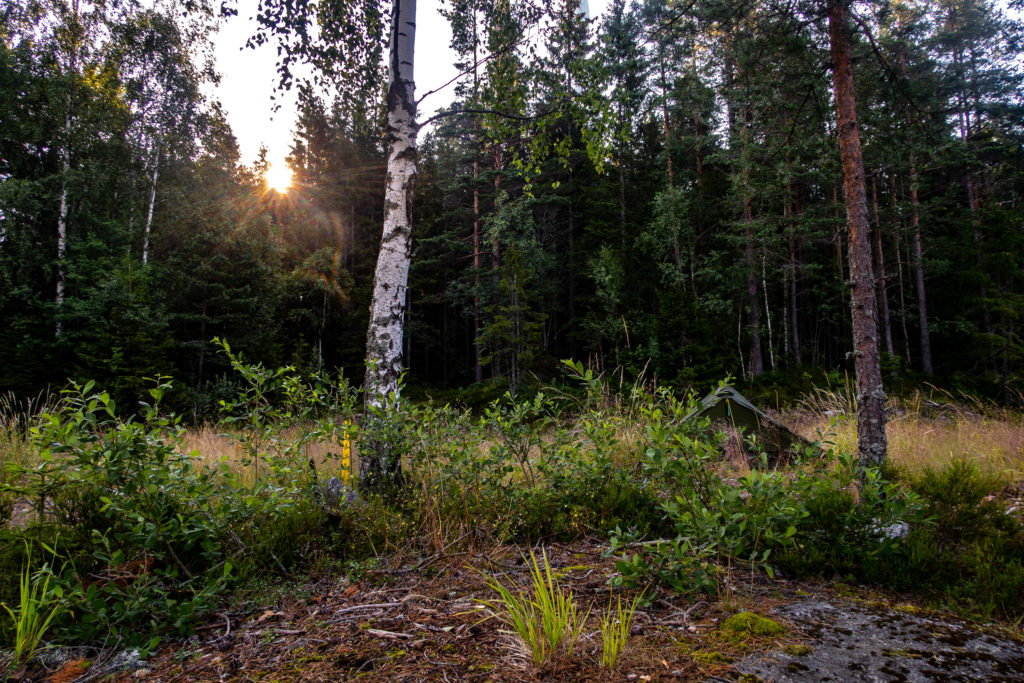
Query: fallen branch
(389, 634)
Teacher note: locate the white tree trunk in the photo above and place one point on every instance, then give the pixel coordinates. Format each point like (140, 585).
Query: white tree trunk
(65, 164)
(62, 218)
(152, 201)
(387, 308)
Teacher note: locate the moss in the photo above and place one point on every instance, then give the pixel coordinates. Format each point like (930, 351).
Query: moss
(797, 650)
(908, 608)
(750, 624)
(902, 653)
(711, 658)
(565, 571)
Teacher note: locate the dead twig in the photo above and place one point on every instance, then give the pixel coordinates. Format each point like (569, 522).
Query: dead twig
(389, 634)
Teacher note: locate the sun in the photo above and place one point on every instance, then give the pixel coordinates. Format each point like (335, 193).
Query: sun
(278, 178)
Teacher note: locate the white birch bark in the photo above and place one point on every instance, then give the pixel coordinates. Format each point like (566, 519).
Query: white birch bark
(65, 164)
(62, 222)
(152, 201)
(387, 307)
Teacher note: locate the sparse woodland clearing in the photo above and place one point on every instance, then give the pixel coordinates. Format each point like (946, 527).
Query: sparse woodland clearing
(818, 201)
(219, 553)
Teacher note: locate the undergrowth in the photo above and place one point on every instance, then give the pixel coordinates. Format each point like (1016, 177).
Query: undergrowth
(155, 535)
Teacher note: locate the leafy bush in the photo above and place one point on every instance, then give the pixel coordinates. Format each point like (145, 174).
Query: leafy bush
(808, 520)
(972, 550)
(153, 534)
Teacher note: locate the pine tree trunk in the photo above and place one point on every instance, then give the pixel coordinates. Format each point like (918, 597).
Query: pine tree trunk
(792, 292)
(883, 289)
(896, 230)
(379, 465)
(922, 306)
(871, 437)
(754, 306)
(478, 370)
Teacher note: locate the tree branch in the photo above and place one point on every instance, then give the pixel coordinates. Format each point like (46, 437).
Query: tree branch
(492, 112)
(478, 63)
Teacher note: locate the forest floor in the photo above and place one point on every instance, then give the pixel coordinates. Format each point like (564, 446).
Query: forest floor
(425, 622)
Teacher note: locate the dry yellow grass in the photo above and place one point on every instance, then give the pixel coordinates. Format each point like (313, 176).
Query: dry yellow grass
(924, 432)
(214, 445)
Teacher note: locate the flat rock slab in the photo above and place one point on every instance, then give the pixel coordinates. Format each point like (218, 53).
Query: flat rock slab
(853, 642)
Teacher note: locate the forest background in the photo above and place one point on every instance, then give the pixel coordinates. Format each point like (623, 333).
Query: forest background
(657, 191)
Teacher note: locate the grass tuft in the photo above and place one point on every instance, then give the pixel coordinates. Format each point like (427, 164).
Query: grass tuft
(38, 604)
(546, 623)
(615, 628)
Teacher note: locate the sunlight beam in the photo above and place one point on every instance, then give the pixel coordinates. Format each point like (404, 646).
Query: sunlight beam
(278, 178)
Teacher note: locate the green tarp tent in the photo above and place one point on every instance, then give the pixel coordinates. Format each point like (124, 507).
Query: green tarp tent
(730, 406)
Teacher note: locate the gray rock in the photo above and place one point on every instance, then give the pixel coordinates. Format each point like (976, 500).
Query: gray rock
(339, 495)
(854, 642)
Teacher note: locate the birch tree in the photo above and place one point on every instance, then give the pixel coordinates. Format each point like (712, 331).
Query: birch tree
(384, 361)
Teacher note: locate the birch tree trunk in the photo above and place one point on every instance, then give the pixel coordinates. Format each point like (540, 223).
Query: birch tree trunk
(379, 464)
(871, 438)
(62, 218)
(152, 201)
(65, 168)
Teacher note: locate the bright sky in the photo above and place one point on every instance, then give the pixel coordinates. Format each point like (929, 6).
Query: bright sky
(248, 78)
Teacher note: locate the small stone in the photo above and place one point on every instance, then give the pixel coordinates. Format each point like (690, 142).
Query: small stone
(141, 673)
(339, 495)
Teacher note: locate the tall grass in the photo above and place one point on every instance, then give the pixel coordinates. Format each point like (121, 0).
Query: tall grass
(925, 431)
(17, 416)
(217, 446)
(38, 604)
(615, 627)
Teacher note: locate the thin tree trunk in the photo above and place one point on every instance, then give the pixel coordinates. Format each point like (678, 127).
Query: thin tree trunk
(922, 306)
(152, 201)
(62, 223)
(496, 244)
(882, 285)
(871, 437)
(478, 370)
(792, 293)
(65, 167)
(756, 357)
(754, 327)
(676, 251)
(897, 229)
(379, 464)
(767, 313)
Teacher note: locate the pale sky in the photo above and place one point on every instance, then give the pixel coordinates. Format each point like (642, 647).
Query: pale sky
(248, 77)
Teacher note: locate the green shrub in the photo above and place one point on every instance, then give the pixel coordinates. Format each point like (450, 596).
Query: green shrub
(964, 502)
(971, 551)
(153, 535)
